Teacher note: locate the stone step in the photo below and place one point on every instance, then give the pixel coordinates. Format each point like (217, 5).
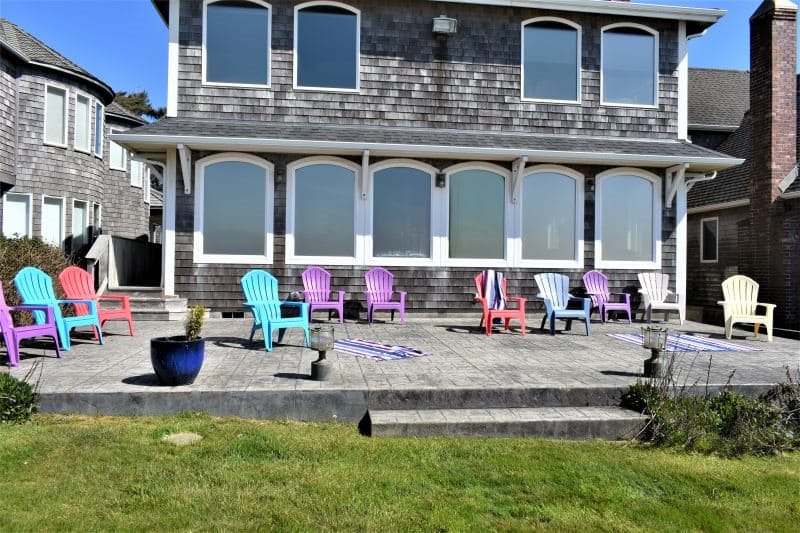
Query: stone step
(609, 423)
(139, 303)
(157, 315)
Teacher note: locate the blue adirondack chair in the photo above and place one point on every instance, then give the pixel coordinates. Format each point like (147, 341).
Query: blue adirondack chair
(554, 290)
(261, 297)
(36, 288)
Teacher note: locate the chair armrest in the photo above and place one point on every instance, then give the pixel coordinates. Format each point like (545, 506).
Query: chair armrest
(91, 303)
(341, 295)
(768, 307)
(294, 304)
(48, 311)
(520, 301)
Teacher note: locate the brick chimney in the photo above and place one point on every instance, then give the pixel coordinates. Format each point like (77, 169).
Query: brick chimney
(773, 45)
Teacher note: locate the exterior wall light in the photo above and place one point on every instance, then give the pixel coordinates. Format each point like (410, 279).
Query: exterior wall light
(444, 26)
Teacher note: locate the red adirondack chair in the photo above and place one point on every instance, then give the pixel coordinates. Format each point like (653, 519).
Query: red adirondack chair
(12, 335)
(507, 315)
(380, 292)
(79, 284)
(596, 284)
(317, 293)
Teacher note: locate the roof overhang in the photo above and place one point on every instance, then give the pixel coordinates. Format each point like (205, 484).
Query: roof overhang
(7, 179)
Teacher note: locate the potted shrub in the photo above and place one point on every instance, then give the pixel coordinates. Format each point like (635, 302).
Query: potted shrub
(177, 360)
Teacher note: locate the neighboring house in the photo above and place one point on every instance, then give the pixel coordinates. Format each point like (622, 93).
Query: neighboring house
(58, 177)
(747, 220)
(521, 135)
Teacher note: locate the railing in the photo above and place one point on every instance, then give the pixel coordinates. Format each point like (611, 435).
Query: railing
(119, 262)
(97, 262)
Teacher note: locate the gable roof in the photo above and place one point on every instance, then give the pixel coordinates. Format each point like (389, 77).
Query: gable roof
(31, 50)
(718, 99)
(124, 113)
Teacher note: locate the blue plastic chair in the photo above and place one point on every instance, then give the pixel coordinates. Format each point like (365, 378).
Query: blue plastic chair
(261, 297)
(554, 289)
(36, 288)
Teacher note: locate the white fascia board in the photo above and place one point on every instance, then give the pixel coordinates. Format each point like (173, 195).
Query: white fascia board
(147, 142)
(608, 8)
(719, 207)
(712, 127)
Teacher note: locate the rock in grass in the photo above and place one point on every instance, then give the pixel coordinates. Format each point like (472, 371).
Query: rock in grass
(182, 439)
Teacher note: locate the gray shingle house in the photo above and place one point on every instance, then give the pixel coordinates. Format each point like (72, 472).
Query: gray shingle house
(434, 138)
(61, 177)
(747, 220)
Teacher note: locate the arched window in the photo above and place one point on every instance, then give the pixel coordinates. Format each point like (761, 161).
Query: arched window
(326, 46)
(476, 213)
(628, 219)
(321, 211)
(233, 210)
(551, 54)
(236, 42)
(629, 71)
(551, 208)
(401, 212)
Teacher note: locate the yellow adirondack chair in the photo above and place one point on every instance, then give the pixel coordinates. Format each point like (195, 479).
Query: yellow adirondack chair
(741, 303)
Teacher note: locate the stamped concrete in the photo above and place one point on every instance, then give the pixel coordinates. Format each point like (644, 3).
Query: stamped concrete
(466, 369)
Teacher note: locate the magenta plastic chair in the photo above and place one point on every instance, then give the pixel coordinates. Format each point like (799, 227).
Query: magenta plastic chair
(12, 335)
(380, 292)
(317, 293)
(596, 284)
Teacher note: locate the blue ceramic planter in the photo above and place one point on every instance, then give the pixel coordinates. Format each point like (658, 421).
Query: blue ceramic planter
(177, 361)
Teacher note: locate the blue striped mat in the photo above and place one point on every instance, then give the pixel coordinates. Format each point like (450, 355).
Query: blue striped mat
(377, 351)
(688, 343)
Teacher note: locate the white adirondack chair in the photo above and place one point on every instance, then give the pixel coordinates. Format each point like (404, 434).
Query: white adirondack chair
(655, 292)
(741, 303)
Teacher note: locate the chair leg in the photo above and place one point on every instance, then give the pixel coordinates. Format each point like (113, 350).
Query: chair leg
(588, 327)
(629, 316)
(728, 329)
(522, 323)
(99, 333)
(130, 325)
(755, 329)
(569, 325)
(308, 342)
(544, 320)
(392, 311)
(252, 332)
(58, 350)
(769, 331)
(63, 337)
(553, 323)
(489, 325)
(267, 337)
(281, 333)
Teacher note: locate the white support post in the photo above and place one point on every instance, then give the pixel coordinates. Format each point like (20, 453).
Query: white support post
(517, 168)
(675, 177)
(681, 244)
(683, 82)
(168, 244)
(186, 167)
(364, 174)
(173, 57)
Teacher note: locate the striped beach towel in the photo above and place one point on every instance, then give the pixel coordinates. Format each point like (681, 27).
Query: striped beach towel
(688, 343)
(493, 289)
(377, 351)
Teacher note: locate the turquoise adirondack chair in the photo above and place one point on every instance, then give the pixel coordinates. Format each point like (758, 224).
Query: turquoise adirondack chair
(36, 288)
(554, 290)
(261, 297)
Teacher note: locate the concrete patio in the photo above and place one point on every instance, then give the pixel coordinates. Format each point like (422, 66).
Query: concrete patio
(465, 370)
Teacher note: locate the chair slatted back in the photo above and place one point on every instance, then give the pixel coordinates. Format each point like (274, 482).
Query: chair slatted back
(316, 285)
(656, 285)
(554, 287)
(36, 287)
(380, 283)
(596, 284)
(78, 285)
(261, 289)
(741, 293)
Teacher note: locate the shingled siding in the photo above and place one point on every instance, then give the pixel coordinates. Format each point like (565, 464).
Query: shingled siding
(8, 94)
(404, 83)
(430, 289)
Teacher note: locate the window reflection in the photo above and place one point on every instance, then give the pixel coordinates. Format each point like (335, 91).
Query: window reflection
(548, 217)
(327, 48)
(477, 215)
(627, 219)
(401, 213)
(237, 43)
(324, 211)
(628, 66)
(550, 58)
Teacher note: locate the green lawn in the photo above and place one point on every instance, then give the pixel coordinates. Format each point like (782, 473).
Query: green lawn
(81, 473)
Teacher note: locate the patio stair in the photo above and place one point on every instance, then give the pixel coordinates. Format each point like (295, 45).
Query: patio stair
(147, 304)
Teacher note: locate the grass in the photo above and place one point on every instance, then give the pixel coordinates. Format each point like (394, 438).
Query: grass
(86, 473)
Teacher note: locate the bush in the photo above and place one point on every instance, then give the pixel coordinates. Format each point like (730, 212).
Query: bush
(18, 399)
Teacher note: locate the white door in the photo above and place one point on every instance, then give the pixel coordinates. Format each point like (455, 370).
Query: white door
(52, 220)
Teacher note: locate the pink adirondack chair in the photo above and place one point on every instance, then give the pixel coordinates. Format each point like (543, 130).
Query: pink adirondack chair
(380, 292)
(79, 284)
(12, 335)
(507, 314)
(317, 293)
(596, 284)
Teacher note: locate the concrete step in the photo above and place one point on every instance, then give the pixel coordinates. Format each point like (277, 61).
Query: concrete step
(148, 304)
(140, 303)
(609, 423)
(157, 315)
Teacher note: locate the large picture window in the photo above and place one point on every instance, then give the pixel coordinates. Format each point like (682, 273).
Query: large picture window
(628, 219)
(236, 42)
(629, 65)
(233, 210)
(16, 215)
(551, 60)
(401, 211)
(55, 116)
(327, 46)
(476, 214)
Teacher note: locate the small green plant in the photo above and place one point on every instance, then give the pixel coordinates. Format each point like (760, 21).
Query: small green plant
(18, 399)
(194, 322)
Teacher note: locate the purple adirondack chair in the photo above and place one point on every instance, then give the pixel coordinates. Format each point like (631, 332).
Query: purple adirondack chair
(12, 335)
(596, 284)
(380, 292)
(317, 293)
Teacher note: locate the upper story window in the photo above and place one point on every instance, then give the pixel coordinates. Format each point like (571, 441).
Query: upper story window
(137, 173)
(98, 129)
(629, 65)
(327, 46)
(83, 123)
(117, 155)
(236, 42)
(628, 219)
(551, 60)
(55, 116)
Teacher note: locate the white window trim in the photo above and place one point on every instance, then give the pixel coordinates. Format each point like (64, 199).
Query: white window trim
(47, 86)
(72, 222)
(235, 259)
(88, 149)
(124, 168)
(702, 247)
(268, 83)
(101, 129)
(62, 229)
(657, 216)
(146, 184)
(577, 261)
(30, 211)
(444, 209)
(644, 28)
(358, 214)
(579, 69)
(340, 5)
(434, 222)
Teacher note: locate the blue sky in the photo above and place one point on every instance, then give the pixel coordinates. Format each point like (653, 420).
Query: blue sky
(124, 42)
